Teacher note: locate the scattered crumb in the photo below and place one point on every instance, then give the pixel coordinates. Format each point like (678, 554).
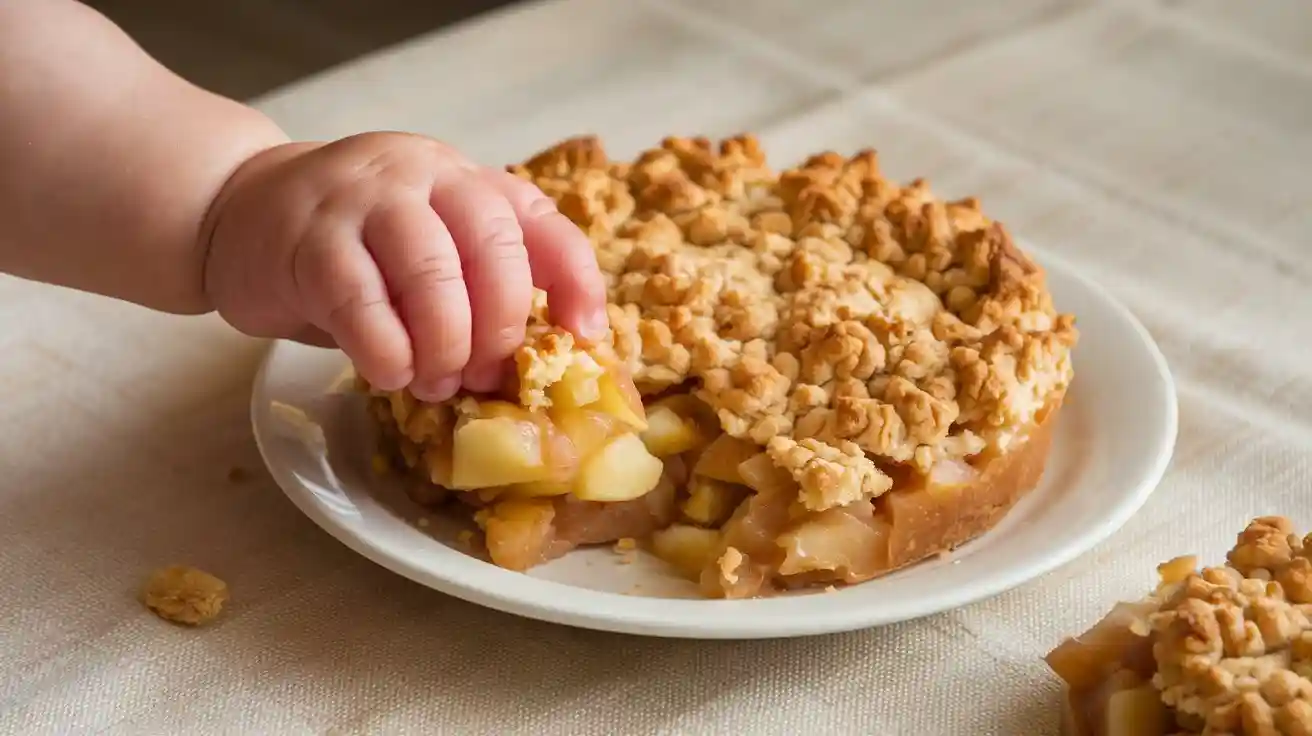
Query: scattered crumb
(379, 464)
(728, 564)
(831, 589)
(465, 538)
(626, 547)
(238, 475)
(184, 595)
(423, 521)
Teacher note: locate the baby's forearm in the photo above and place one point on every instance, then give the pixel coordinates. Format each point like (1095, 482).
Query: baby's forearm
(108, 161)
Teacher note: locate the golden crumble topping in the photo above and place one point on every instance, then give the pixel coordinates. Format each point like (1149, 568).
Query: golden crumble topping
(184, 595)
(829, 475)
(823, 304)
(1230, 646)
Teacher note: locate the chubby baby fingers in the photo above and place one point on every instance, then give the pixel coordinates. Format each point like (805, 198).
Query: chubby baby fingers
(490, 242)
(562, 259)
(342, 292)
(421, 267)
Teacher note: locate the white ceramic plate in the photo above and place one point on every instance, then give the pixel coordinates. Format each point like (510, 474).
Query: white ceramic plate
(1114, 441)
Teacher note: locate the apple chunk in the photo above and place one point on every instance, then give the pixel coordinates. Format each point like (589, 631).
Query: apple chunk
(722, 457)
(578, 386)
(668, 433)
(711, 502)
(519, 533)
(618, 398)
(689, 549)
(1137, 712)
(620, 471)
(497, 451)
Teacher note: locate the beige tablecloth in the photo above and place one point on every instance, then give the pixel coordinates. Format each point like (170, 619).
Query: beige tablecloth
(1163, 146)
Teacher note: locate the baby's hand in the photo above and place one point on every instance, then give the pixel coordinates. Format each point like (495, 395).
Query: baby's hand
(395, 248)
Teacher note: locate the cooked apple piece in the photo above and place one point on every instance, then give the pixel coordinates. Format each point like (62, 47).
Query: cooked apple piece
(668, 433)
(689, 549)
(620, 471)
(1177, 569)
(676, 470)
(540, 489)
(1114, 642)
(588, 522)
(518, 532)
(578, 386)
(497, 451)
(761, 475)
(586, 430)
(692, 408)
(721, 458)
(619, 398)
(852, 543)
(949, 474)
(440, 463)
(710, 502)
(1136, 711)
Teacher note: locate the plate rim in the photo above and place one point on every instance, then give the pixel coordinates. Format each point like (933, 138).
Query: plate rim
(769, 618)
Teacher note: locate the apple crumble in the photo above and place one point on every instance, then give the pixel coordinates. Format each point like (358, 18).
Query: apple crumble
(1218, 651)
(813, 376)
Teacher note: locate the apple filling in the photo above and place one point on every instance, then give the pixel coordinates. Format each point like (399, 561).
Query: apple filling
(722, 511)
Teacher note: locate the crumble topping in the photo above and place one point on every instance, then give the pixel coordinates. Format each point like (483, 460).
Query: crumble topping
(828, 475)
(548, 353)
(184, 595)
(1234, 643)
(1231, 646)
(825, 312)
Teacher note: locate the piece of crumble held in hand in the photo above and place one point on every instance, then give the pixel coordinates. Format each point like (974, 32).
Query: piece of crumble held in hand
(185, 595)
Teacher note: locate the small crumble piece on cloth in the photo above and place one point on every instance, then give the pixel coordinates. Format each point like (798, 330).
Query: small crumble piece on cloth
(184, 595)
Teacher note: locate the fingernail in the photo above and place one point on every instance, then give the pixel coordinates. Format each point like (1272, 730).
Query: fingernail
(394, 382)
(542, 206)
(594, 325)
(437, 390)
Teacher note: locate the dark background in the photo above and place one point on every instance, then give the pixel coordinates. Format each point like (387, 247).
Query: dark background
(242, 48)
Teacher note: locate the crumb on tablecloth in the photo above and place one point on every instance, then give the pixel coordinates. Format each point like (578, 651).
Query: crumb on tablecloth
(184, 595)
